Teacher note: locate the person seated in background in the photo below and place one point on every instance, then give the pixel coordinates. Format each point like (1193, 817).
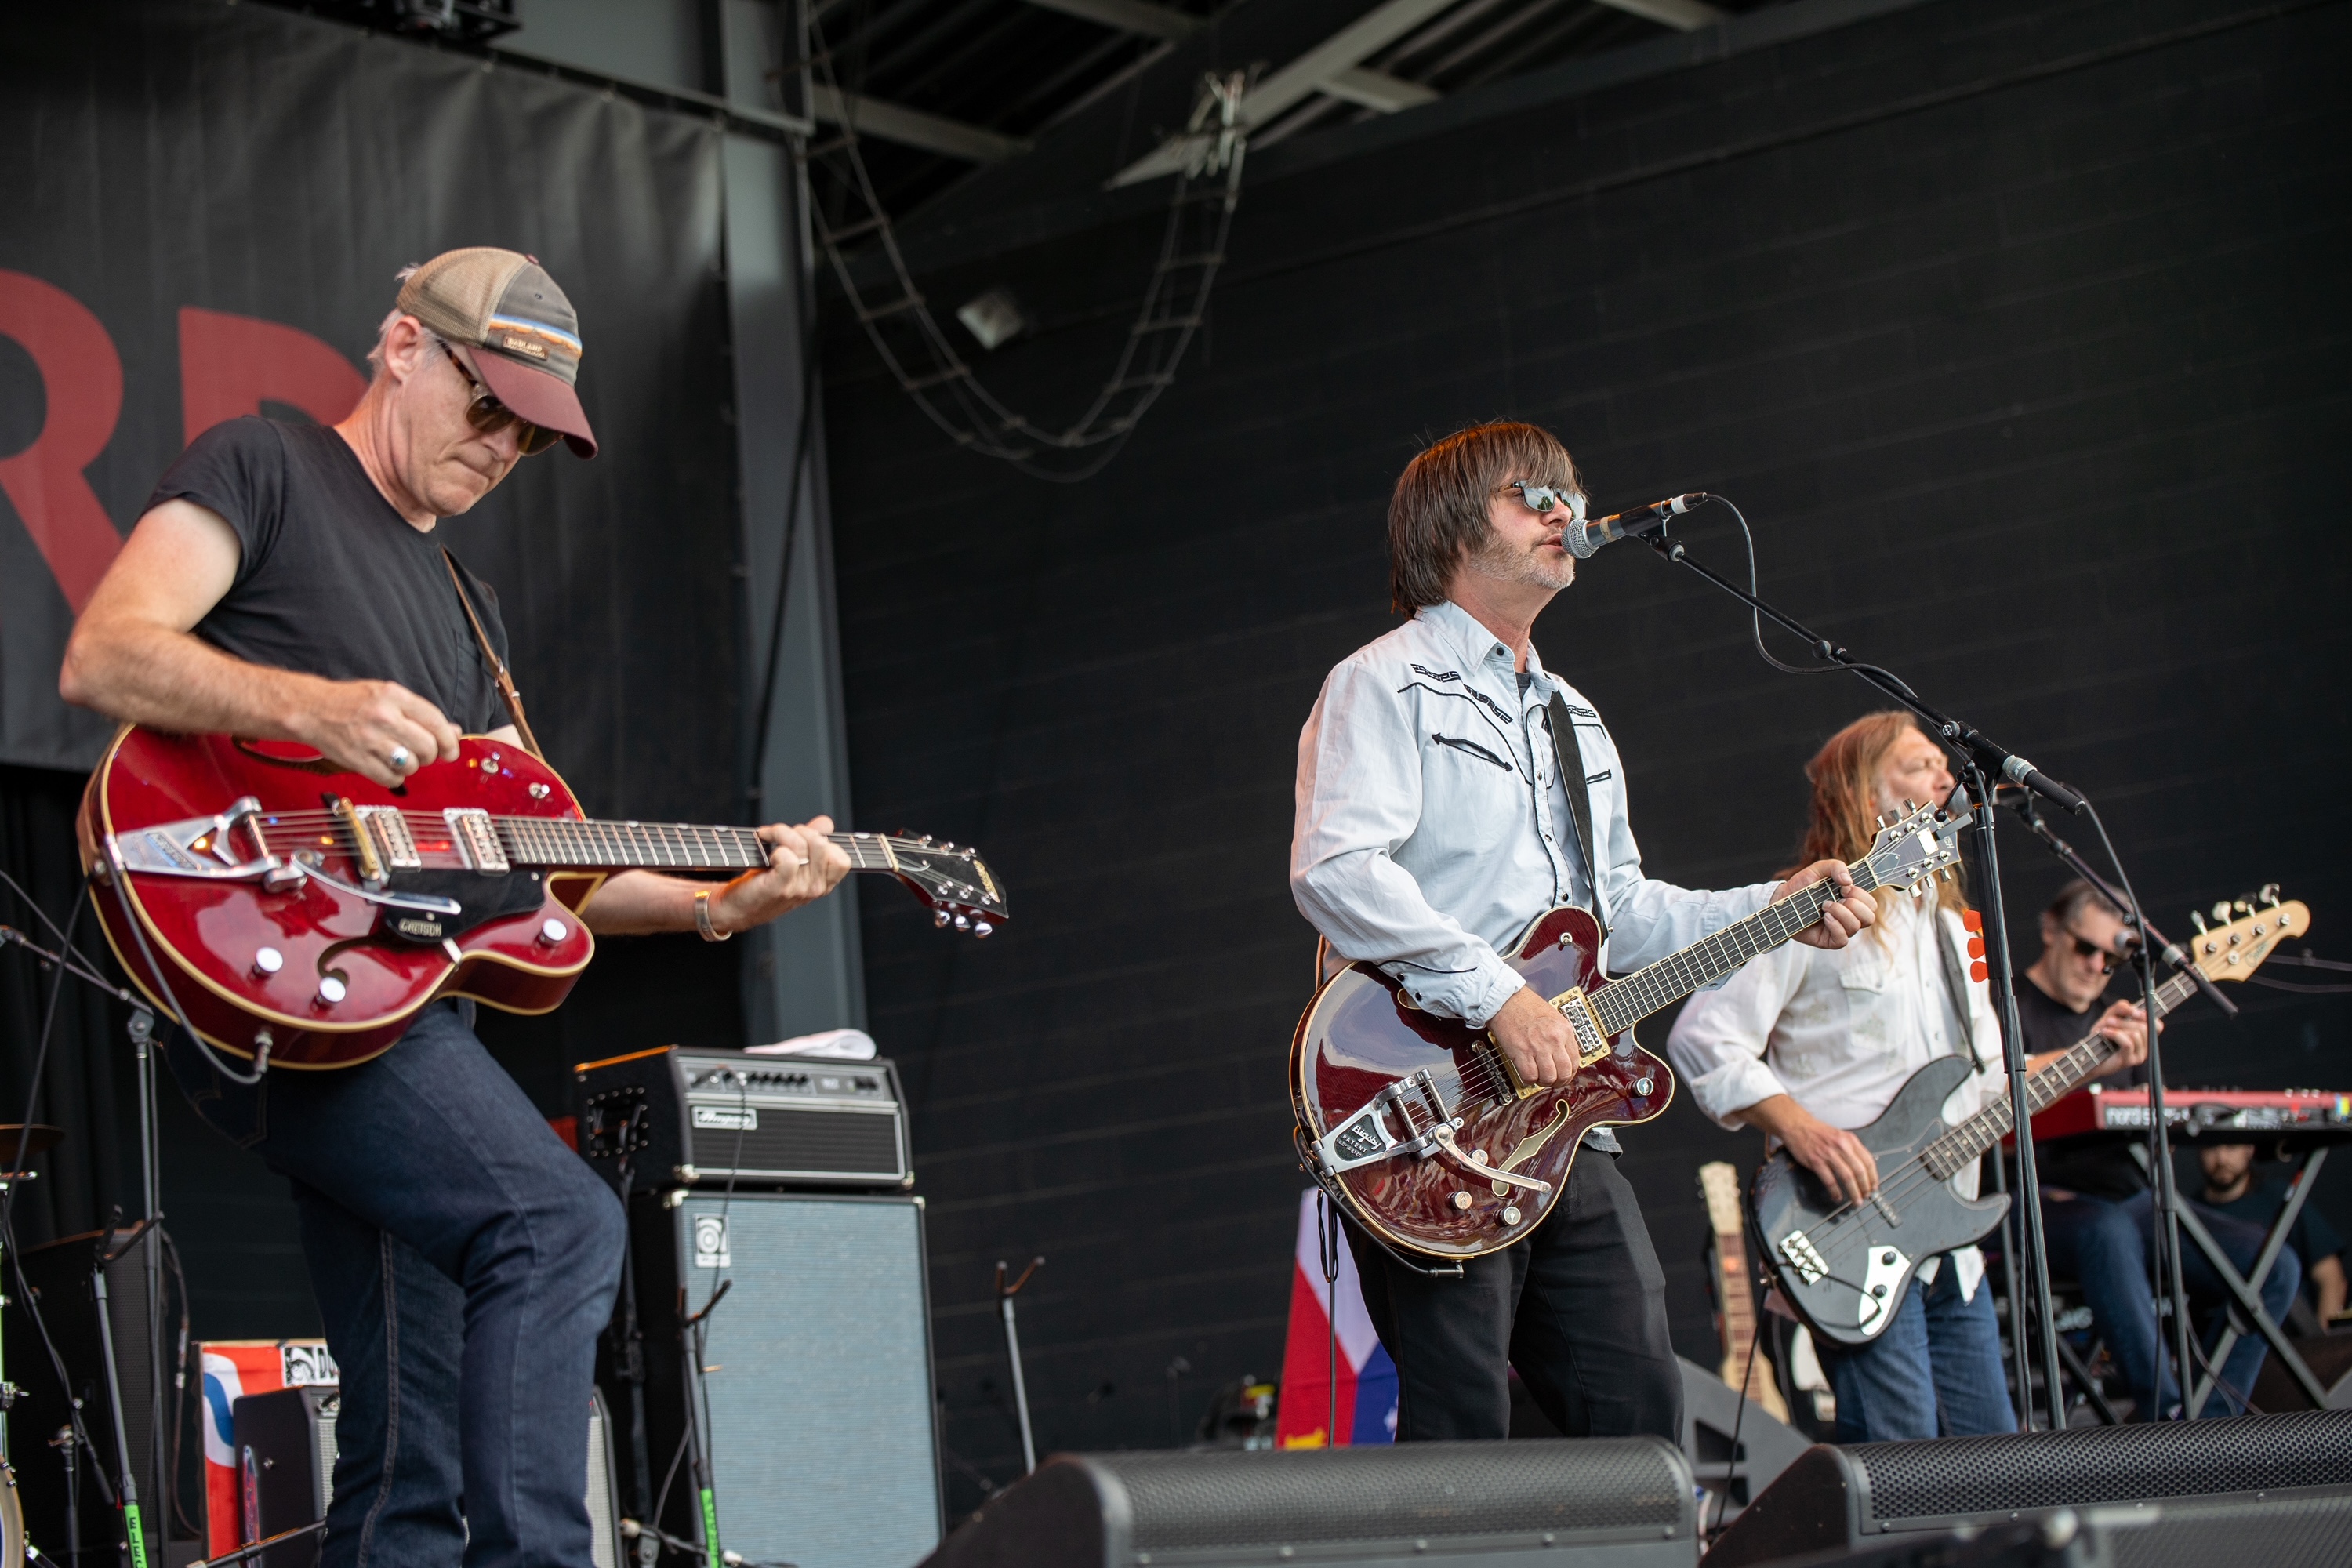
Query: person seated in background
(1806, 1044)
(2231, 1189)
(2097, 1213)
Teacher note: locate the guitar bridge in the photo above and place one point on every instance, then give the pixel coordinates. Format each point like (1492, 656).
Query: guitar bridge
(1365, 1138)
(1798, 1251)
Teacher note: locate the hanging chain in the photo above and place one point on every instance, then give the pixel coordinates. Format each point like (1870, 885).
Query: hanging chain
(1175, 301)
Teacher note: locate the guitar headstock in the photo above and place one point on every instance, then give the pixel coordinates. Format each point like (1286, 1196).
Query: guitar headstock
(952, 880)
(1912, 848)
(2234, 948)
(1718, 1182)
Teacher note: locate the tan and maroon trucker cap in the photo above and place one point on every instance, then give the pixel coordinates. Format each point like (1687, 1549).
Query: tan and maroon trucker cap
(525, 334)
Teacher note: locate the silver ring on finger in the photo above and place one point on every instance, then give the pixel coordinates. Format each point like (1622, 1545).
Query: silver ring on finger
(401, 760)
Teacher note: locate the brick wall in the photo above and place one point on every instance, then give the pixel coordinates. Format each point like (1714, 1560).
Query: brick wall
(2016, 328)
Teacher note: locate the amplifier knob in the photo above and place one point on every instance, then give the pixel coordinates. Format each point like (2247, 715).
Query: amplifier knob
(267, 961)
(330, 991)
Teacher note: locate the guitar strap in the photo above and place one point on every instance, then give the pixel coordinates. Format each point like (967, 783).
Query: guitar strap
(1568, 754)
(1956, 992)
(499, 675)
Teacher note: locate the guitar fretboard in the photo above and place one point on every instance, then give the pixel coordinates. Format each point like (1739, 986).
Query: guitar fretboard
(1625, 1002)
(669, 845)
(1968, 1142)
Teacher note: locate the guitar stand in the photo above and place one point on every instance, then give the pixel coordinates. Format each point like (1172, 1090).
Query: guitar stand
(2245, 1291)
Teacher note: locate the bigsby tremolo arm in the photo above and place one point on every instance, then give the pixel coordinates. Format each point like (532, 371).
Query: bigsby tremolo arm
(1452, 1146)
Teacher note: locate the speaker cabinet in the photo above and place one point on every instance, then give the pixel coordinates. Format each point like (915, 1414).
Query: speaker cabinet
(2194, 1476)
(822, 1431)
(1614, 1502)
(59, 1275)
(286, 1467)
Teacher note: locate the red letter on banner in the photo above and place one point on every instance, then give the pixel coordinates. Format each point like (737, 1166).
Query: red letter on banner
(229, 364)
(81, 376)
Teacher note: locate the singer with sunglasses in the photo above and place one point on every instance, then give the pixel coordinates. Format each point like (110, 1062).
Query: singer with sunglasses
(288, 582)
(1434, 824)
(2098, 1217)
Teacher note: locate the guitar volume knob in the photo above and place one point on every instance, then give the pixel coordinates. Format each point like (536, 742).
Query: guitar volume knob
(330, 991)
(1460, 1200)
(267, 961)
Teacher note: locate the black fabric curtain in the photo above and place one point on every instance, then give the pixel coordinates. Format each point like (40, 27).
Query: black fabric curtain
(88, 1085)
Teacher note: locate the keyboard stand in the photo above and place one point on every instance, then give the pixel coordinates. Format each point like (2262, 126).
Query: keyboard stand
(2245, 1292)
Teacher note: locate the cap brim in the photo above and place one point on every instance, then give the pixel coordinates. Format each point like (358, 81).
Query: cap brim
(547, 400)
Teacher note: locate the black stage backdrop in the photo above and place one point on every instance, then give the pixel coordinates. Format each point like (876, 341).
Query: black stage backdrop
(215, 198)
(2018, 329)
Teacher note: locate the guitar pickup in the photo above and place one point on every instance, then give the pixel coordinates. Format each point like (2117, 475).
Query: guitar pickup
(1365, 1138)
(1798, 1251)
(394, 844)
(477, 838)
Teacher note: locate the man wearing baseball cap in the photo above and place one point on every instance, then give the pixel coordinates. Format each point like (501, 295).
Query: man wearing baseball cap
(288, 582)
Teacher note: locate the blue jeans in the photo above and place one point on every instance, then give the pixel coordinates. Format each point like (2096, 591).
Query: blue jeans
(1935, 1371)
(464, 1261)
(2104, 1245)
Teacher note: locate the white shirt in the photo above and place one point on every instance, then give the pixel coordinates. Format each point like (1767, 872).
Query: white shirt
(1431, 827)
(1839, 1031)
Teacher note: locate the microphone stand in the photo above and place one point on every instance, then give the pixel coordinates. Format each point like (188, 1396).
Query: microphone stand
(2159, 1131)
(1973, 751)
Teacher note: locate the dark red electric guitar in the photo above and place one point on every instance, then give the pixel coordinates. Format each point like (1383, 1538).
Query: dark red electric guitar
(1423, 1129)
(284, 907)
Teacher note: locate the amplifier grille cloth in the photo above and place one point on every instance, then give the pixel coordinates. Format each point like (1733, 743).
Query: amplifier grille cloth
(2152, 1459)
(849, 1142)
(1215, 1500)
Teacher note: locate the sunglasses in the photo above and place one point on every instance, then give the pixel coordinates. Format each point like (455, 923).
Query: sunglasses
(488, 415)
(1543, 498)
(2085, 948)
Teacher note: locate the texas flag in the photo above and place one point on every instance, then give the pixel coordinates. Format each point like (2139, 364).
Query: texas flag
(1368, 1379)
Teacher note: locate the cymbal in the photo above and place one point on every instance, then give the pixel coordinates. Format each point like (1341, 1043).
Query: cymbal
(43, 1139)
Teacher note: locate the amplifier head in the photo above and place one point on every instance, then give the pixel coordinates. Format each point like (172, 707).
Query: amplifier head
(692, 1118)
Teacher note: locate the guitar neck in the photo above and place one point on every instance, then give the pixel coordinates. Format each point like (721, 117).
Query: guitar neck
(660, 845)
(1625, 1003)
(2081, 1060)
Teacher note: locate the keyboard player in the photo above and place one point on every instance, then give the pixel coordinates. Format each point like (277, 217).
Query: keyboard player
(2098, 1213)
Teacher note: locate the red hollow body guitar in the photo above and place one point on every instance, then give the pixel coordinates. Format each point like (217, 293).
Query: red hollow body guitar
(1424, 1130)
(286, 909)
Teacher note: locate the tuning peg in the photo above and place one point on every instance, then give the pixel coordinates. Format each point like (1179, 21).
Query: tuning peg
(982, 928)
(2197, 919)
(963, 922)
(2244, 906)
(940, 917)
(2268, 895)
(948, 845)
(1882, 823)
(2222, 912)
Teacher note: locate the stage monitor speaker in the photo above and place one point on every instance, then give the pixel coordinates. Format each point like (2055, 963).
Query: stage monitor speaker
(822, 1435)
(1613, 1502)
(2193, 1473)
(60, 1273)
(285, 1465)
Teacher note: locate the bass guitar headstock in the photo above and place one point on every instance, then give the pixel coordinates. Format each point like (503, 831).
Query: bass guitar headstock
(952, 880)
(1913, 848)
(2234, 948)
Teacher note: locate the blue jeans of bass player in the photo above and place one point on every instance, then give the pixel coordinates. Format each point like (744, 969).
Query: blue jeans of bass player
(465, 1261)
(1935, 1371)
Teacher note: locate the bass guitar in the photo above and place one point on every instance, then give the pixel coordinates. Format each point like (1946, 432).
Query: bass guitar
(1844, 1268)
(286, 909)
(1421, 1128)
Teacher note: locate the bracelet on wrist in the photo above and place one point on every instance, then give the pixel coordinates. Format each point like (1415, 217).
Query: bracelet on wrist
(702, 926)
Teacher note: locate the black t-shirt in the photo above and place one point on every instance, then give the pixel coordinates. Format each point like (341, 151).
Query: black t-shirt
(2101, 1166)
(2313, 1238)
(333, 581)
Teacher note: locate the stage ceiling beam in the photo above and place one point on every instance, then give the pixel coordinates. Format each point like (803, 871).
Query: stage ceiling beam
(1681, 15)
(1310, 73)
(896, 122)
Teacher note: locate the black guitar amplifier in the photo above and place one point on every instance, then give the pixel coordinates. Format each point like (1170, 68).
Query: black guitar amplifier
(688, 1118)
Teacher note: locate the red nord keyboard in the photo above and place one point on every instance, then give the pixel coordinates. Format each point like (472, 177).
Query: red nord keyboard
(2204, 1115)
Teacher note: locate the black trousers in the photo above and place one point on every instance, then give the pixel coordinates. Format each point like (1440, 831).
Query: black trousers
(1579, 1308)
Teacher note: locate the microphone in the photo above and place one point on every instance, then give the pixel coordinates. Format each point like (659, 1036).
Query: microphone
(1584, 538)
